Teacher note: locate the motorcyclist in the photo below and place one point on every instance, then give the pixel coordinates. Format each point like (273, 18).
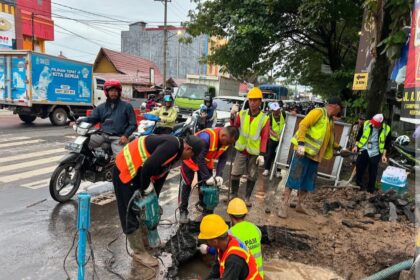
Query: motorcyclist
(116, 117)
(167, 115)
(151, 103)
(208, 113)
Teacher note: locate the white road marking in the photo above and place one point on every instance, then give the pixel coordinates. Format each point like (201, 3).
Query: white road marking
(14, 139)
(32, 163)
(37, 184)
(20, 143)
(31, 155)
(25, 175)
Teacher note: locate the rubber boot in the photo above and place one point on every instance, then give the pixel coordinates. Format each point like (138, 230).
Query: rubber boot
(183, 217)
(235, 187)
(284, 205)
(140, 254)
(249, 188)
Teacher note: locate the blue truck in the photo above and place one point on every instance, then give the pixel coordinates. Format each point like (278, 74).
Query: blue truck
(274, 91)
(38, 85)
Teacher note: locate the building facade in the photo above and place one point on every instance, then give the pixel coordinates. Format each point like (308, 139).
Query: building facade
(35, 25)
(182, 59)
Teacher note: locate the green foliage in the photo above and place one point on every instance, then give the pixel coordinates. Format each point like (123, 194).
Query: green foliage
(291, 37)
(400, 11)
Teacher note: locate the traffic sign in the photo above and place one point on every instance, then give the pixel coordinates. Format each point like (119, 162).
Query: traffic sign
(360, 81)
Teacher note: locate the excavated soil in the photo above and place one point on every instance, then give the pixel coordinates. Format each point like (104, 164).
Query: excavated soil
(337, 239)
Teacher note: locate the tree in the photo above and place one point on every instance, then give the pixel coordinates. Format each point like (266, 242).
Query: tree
(292, 37)
(390, 17)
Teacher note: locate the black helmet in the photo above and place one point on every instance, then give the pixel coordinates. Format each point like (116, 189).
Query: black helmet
(208, 100)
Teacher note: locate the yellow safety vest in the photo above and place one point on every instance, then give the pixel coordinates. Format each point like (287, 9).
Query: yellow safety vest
(249, 133)
(250, 234)
(277, 127)
(367, 128)
(314, 137)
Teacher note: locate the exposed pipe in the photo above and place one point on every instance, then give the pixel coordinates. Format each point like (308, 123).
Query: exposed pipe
(384, 274)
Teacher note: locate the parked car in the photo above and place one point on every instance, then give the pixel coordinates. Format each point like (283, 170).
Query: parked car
(224, 105)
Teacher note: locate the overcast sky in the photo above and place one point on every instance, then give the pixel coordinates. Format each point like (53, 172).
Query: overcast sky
(102, 31)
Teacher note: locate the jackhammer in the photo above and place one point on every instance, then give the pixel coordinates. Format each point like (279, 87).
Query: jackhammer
(148, 211)
(210, 197)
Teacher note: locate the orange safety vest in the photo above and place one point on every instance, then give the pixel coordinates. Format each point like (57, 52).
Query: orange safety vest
(132, 157)
(235, 247)
(214, 151)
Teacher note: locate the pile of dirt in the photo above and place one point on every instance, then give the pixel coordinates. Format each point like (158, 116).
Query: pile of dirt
(342, 237)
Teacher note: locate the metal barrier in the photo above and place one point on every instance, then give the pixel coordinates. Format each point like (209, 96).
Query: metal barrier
(329, 169)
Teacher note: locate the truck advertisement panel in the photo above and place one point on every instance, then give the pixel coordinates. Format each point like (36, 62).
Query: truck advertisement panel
(55, 79)
(17, 77)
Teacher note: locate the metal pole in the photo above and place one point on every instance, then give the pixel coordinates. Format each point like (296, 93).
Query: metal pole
(165, 42)
(83, 225)
(33, 31)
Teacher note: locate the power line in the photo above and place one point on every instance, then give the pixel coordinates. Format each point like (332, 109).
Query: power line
(87, 12)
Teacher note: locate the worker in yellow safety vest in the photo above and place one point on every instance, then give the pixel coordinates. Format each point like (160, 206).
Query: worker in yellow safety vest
(372, 142)
(254, 131)
(234, 259)
(276, 127)
(313, 141)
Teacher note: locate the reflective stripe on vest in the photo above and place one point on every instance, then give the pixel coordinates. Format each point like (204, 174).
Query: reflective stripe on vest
(367, 128)
(315, 134)
(131, 158)
(250, 235)
(214, 151)
(277, 127)
(239, 249)
(249, 132)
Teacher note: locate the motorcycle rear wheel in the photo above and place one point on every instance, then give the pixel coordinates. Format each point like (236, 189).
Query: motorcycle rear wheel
(65, 182)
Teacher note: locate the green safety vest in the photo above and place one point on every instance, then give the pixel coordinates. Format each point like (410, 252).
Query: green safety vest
(249, 132)
(277, 127)
(367, 129)
(250, 234)
(314, 136)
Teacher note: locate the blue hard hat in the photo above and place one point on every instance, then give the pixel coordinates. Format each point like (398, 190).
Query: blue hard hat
(167, 98)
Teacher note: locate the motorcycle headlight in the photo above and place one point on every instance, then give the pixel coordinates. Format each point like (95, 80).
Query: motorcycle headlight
(82, 131)
(73, 147)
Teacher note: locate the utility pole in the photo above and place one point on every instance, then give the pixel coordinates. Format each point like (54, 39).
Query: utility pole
(165, 42)
(33, 31)
(165, 39)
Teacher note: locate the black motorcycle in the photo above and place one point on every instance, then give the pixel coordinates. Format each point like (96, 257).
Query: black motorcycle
(83, 163)
(403, 155)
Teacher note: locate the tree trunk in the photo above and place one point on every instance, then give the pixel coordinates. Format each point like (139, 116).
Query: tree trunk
(380, 72)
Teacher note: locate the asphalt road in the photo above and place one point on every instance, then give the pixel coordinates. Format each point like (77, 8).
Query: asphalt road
(37, 232)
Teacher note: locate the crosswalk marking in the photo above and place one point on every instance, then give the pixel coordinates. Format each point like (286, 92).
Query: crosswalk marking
(33, 163)
(31, 155)
(25, 175)
(20, 143)
(37, 184)
(14, 139)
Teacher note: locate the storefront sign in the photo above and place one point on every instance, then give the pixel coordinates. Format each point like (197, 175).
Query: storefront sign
(7, 30)
(410, 107)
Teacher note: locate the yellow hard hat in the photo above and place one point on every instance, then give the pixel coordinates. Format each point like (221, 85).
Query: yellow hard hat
(237, 207)
(212, 226)
(255, 93)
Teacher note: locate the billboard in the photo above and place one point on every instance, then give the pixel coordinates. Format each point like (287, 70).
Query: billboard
(7, 30)
(55, 79)
(410, 107)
